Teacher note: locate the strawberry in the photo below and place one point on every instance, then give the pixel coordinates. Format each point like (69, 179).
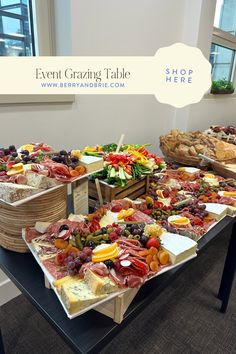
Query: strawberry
(152, 242)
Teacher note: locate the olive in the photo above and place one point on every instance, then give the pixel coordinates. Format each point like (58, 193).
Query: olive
(63, 227)
(90, 244)
(143, 239)
(98, 232)
(12, 148)
(56, 159)
(109, 263)
(7, 152)
(74, 159)
(14, 154)
(104, 230)
(25, 152)
(63, 152)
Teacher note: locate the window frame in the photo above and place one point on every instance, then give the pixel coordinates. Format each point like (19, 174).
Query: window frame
(228, 41)
(44, 32)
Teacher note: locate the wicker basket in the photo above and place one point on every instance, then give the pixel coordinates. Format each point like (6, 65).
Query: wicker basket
(183, 160)
(48, 207)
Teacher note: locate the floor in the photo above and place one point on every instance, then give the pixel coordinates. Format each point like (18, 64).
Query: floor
(184, 319)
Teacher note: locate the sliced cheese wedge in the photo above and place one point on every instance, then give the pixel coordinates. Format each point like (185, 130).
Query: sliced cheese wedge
(217, 211)
(178, 247)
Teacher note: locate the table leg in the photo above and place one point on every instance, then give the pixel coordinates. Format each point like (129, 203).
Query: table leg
(1, 343)
(228, 272)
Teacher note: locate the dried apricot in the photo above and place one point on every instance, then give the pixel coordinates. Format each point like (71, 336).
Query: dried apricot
(155, 258)
(68, 248)
(74, 173)
(164, 257)
(153, 250)
(80, 169)
(144, 253)
(149, 259)
(60, 243)
(154, 266)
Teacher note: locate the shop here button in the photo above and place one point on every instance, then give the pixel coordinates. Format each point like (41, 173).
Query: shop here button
(183, 75)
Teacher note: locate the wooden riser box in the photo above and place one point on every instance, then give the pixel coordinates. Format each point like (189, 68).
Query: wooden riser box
(133, 190)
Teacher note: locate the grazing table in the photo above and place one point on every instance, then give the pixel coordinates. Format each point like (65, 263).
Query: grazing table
(91, 331)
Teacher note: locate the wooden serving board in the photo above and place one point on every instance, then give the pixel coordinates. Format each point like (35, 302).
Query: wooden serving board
(114, 305)
(225, 169)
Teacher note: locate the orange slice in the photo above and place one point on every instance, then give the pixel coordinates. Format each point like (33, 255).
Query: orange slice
(180, 221)
(230, 194)
(159, 193)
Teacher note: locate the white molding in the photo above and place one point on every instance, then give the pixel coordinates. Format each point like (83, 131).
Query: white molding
(28, 99)
(8, 291)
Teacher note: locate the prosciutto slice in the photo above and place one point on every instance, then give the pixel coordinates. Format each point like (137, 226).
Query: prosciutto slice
(31, 233)
(98, 268)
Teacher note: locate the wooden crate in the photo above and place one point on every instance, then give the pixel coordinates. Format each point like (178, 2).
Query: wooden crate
(133, 190)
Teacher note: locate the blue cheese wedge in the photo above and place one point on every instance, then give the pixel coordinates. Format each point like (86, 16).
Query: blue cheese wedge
(99, 285)
(178, 247)
(76, 295)
(40, 181)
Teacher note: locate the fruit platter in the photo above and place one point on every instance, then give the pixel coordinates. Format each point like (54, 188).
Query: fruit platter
(33, 169)
(130, 162)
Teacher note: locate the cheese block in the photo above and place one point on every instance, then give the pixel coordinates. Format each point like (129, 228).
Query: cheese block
(109, 219)
(41, 226)
(12, 192)
(76, 295)
(40, 181)
(178, 247)
(217, 211)
(92, 163)
(99, 285)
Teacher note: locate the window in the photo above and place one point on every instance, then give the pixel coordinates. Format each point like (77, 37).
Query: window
(27, 29)
(222, 56)
(16, 28)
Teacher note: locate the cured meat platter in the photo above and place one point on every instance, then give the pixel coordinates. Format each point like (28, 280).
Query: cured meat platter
(50, 280)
